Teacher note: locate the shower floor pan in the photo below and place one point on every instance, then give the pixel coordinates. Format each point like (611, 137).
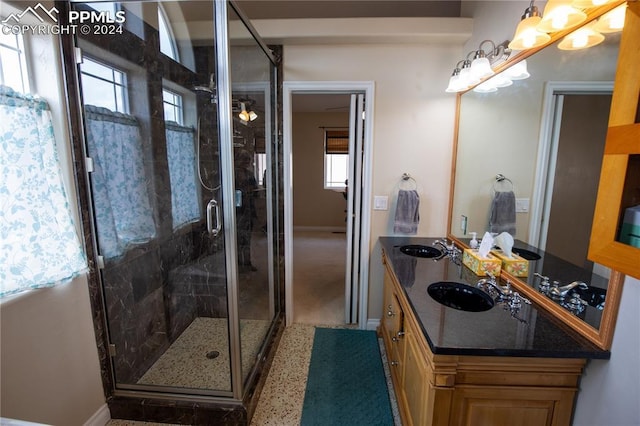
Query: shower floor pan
(199, 358)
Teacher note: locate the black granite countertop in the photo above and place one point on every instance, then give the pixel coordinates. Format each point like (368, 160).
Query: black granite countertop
(491, 333)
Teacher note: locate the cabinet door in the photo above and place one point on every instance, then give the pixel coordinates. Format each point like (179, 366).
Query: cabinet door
(414, 384)
(502, 406)
(391, 324)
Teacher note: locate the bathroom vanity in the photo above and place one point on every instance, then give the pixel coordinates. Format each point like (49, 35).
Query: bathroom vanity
(501, 366)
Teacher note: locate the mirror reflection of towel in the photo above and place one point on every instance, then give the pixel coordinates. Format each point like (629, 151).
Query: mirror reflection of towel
(503, 213)
(407, 212)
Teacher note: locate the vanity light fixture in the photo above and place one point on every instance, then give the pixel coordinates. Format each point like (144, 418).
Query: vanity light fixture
(486, 87)
(467, 79)
(559, 15)
(470, 72)
(246, 115)
(480, 66)
(455, 84)
(501, 80)
(527, 34)
(587, 4)
(581, 38)
(612, 21)
(518, 71)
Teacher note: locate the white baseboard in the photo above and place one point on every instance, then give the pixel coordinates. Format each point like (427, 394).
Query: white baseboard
(320, 228)
(373, 323)
(100, 417)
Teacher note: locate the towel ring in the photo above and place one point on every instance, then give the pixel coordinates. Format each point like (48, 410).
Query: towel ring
(407, 179)
(502, 180)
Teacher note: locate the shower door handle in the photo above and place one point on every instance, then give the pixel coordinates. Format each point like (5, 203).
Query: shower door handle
(213, 205)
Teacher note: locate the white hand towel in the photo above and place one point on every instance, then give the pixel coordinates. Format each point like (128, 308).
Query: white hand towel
(407, 212)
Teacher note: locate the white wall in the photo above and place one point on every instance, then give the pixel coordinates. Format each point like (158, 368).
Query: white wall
(48, 358)
(413, 125)
(313, 205)
(610, 390)
(49, 369)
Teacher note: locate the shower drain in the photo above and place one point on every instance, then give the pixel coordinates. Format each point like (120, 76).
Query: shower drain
(213, 354)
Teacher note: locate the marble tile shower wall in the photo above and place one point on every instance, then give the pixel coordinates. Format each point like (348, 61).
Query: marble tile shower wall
(154, 293)
(157, 289)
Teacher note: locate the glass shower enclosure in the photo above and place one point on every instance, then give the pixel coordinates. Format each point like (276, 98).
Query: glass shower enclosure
(177, 107)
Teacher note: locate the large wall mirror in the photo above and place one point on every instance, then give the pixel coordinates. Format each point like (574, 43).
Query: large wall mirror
(543, 138)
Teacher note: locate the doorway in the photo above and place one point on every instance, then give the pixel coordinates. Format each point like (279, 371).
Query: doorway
(577, 120)
(326, 221)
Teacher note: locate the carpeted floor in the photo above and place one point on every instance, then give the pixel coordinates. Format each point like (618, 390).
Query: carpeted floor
(346, 382)
(319, 266)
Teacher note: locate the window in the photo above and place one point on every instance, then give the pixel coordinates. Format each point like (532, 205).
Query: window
(336, 159)
(13, 64)
(104, 86)
(39, 245)
(172, 103)
(167, 40)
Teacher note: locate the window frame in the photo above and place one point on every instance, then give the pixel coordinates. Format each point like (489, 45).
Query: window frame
(123, 86)
(165, 26)
(22, 65)
(332, 152)
(177, 107)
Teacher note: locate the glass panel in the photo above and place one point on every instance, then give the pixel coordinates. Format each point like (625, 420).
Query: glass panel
(629, 224)
(253, 122)
(164, 279)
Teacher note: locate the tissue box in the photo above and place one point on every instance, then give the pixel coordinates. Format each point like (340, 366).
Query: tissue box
(515, 265)
(481, 265)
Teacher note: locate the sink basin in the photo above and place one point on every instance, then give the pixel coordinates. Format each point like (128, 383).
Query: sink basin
(526, 254)
(460, 296)
(593, 296)
(418, 250)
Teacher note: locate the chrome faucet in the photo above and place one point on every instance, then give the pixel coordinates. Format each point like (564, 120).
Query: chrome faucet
(562, 292)
(511, 300)
(490, 285)
(448, 249)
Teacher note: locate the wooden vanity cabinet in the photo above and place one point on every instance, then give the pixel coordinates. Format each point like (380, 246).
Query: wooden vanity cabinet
(439, 390)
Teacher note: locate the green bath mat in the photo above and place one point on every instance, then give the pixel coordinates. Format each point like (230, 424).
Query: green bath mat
(346, 383)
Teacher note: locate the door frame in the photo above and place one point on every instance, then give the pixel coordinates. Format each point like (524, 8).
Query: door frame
(328, 87)
(548, 147)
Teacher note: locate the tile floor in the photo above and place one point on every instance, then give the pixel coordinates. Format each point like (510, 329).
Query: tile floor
(319, 265)
(282, 397)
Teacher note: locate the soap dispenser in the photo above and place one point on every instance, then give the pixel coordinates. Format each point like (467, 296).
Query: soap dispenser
(474, 242)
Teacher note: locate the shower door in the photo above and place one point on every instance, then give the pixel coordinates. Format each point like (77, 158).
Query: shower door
(181, 210)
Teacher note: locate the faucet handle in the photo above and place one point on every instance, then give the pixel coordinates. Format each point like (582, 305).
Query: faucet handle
(544, 279)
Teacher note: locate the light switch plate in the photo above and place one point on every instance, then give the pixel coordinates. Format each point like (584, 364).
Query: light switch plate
(380, 202)
(522, 205)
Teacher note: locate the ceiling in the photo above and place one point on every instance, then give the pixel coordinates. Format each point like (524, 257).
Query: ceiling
(285, 9)
(300, 9)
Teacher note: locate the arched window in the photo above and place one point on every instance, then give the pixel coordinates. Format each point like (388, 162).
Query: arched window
(168, 44)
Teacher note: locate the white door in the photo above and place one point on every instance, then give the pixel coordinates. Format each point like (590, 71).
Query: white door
(354, 208)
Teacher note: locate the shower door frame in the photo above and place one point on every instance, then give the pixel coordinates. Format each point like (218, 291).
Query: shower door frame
(124, 400)
(224, 86)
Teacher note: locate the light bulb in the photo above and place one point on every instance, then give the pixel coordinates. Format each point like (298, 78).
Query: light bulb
(558, 15)
(580, 39)
(527, 36)
(517, 71)
(612, 21)
(480, 67)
